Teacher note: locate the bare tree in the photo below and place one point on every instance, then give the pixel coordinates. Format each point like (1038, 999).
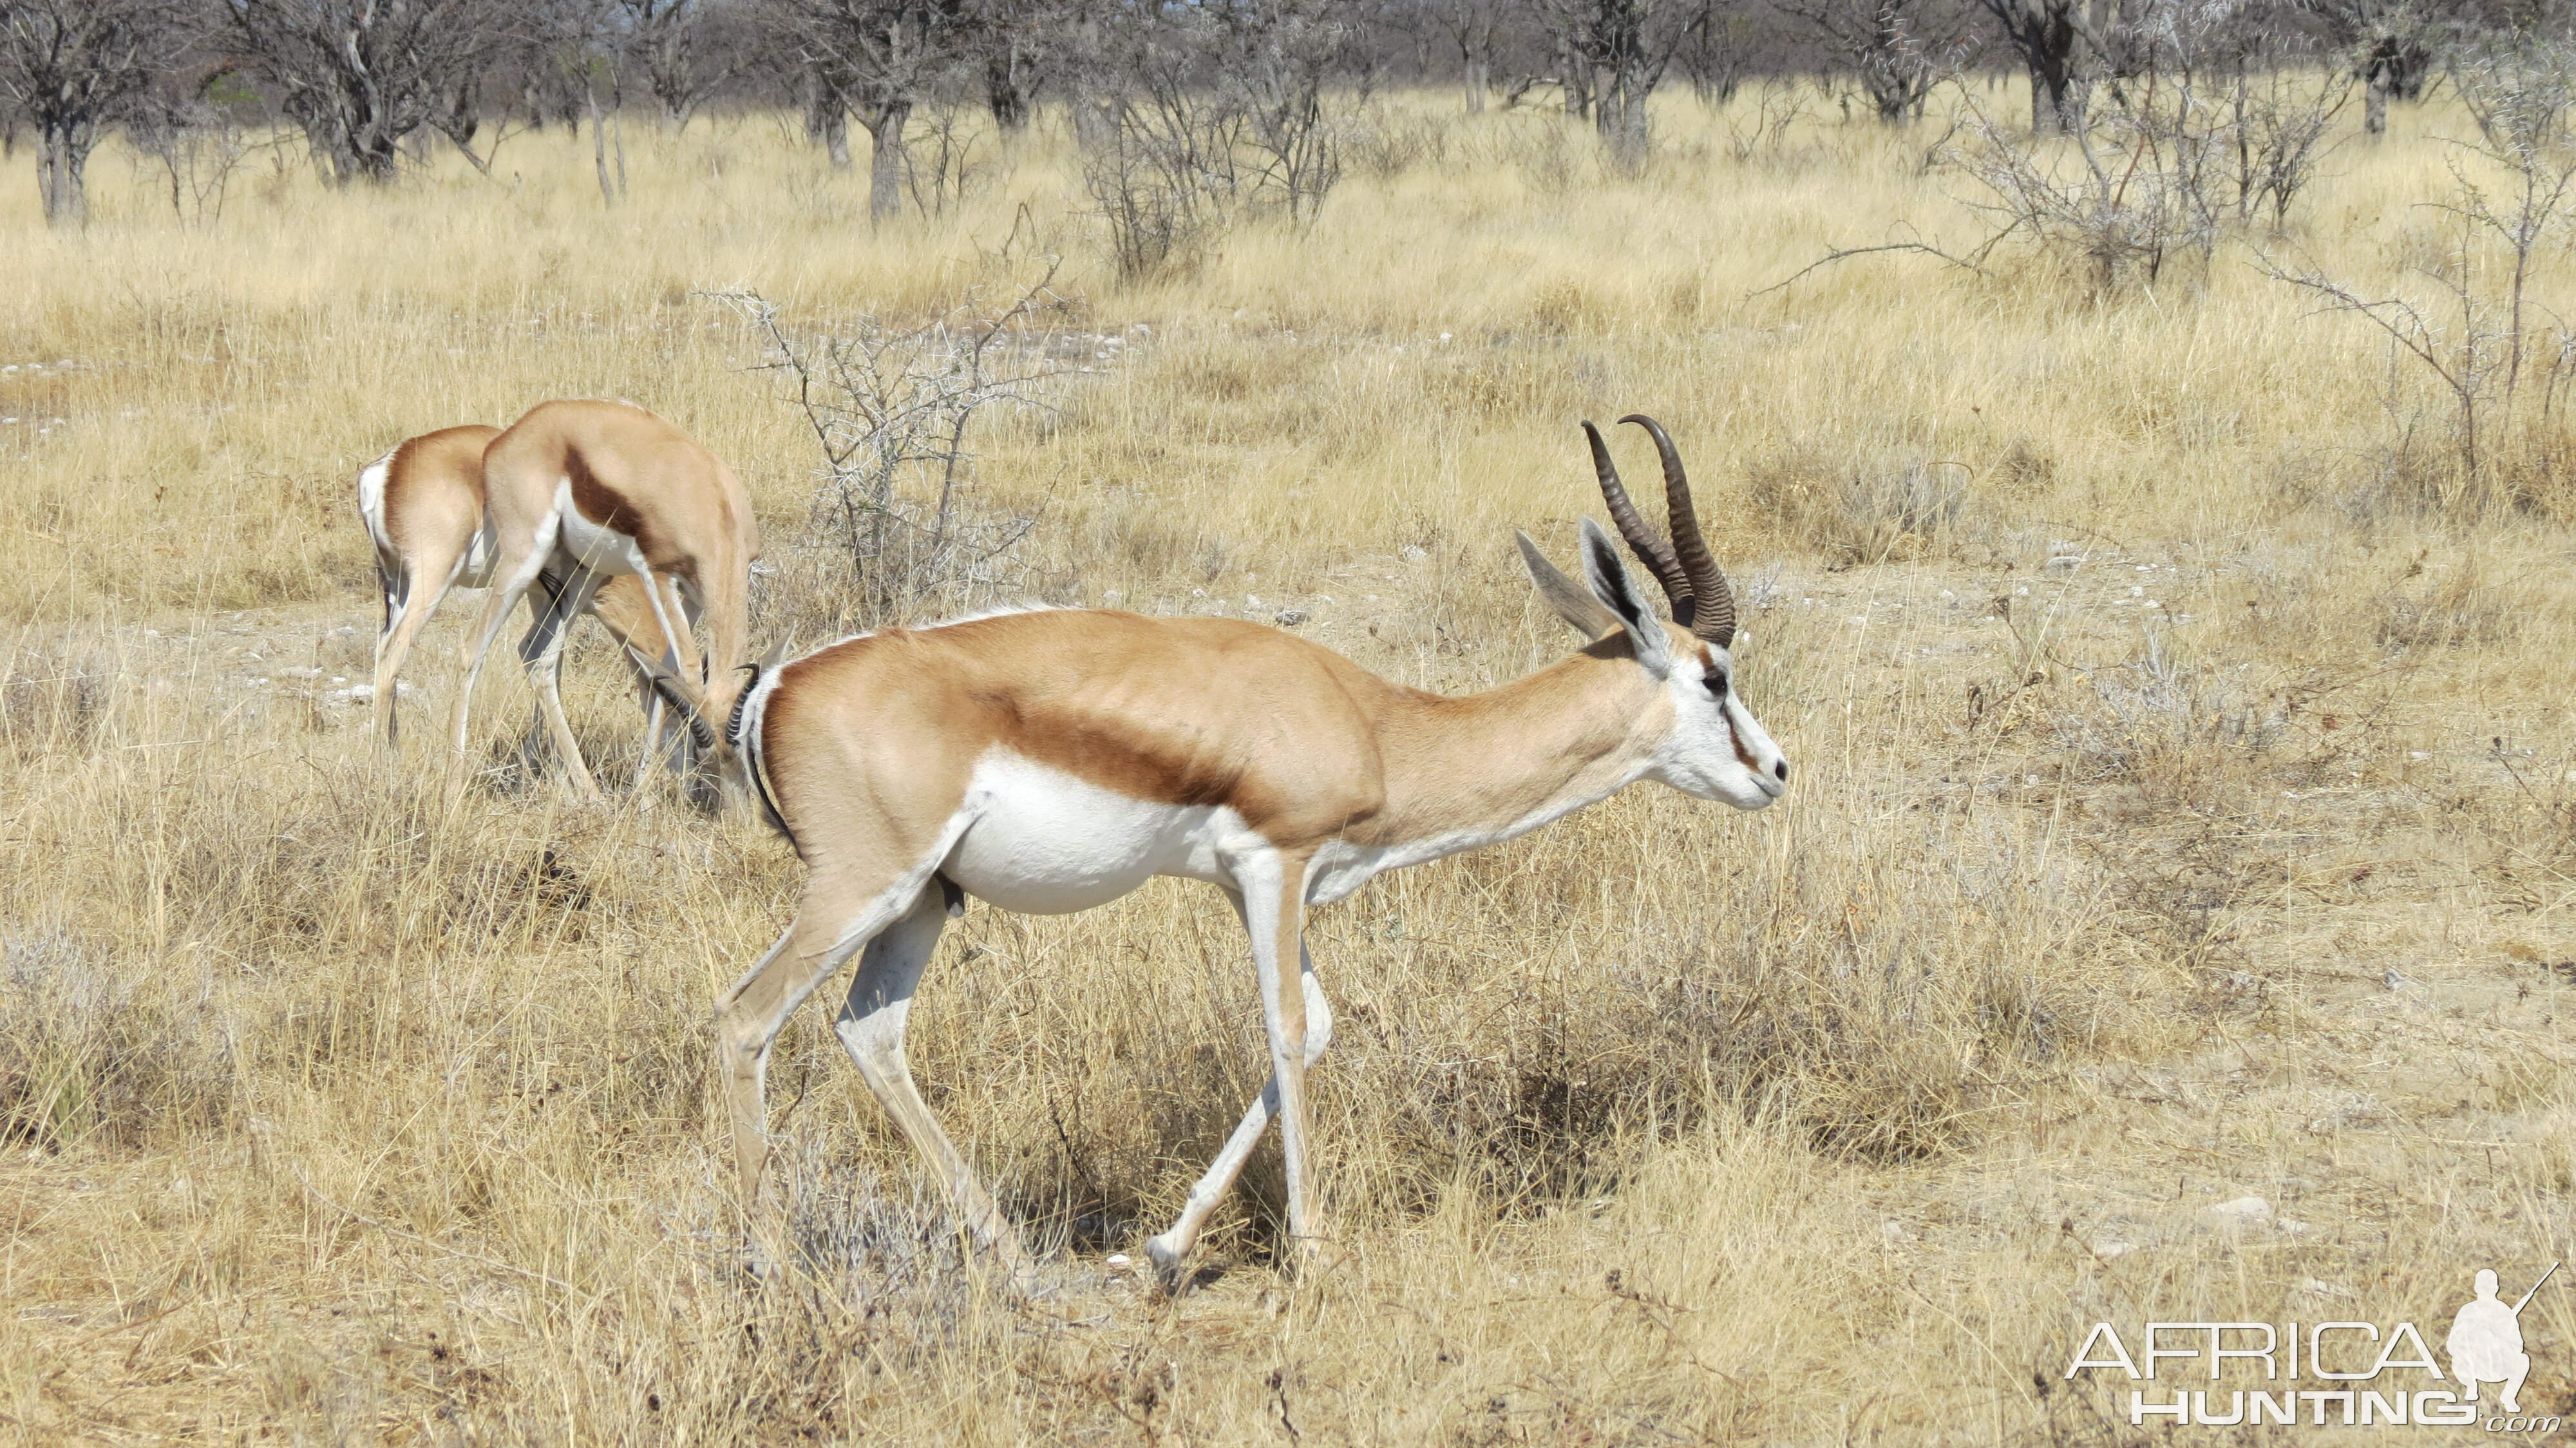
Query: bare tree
(659, 40)
(75, 68)
(1472, 27)
(875, 59)
(2392, 46)
(1612, 55)
(2055, 41)
(1227, 107)
(361, 76)
(1897, 50)
(1009, 43)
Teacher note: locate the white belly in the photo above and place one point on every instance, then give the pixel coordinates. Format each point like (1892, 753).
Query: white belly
(1043, 842)
(601, 550)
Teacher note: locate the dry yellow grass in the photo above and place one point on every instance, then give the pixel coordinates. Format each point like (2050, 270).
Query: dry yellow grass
(333, 1116)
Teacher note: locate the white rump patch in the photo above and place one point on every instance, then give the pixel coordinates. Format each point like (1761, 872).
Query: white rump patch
(371, 501)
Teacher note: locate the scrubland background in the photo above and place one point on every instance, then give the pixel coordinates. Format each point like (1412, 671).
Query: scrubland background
(2182, 815)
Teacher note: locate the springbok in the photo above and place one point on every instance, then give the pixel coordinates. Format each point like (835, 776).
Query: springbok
(422, 503)
(1051, 761)
(582, 493)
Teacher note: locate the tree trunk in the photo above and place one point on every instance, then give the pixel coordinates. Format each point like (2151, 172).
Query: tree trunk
(885, 161)
(2374, 105)
(1004, 89)
(2056, 101)
(1477, 84)
(62, 152)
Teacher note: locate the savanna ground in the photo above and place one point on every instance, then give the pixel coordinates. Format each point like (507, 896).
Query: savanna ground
(2182, 814)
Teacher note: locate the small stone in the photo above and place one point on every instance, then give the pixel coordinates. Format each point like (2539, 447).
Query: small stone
(2244, 1209)
(1119, 1262)
(1289, 617)
(1412, 554)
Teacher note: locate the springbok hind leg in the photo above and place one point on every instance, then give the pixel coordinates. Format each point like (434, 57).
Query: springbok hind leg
(845, 907)
(871, 1028)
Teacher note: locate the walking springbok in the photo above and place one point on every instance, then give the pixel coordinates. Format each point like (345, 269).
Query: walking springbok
(1051, 761)
(422, 503)
(586, 492)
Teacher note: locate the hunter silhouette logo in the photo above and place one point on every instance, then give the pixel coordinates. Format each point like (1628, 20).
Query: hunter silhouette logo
(2486, 1341)
(2317, 1374)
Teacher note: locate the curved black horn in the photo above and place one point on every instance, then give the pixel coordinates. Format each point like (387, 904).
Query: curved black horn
(1716, 622)
(1642, 540)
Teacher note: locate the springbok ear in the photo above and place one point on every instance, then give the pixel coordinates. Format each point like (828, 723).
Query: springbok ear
(1563, 594)
(1612, 585)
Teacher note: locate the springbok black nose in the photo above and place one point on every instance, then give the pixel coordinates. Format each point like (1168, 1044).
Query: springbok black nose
(1781, 770)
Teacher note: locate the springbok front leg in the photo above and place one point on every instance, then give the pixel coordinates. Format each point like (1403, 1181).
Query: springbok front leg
(1170, 1250)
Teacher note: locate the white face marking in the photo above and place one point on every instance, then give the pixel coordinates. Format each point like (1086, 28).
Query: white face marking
(1700, 756)
(599, 549)
(1043, 842)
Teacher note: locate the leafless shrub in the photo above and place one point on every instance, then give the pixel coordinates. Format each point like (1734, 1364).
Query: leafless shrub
(88, 1053)
(2457, 607)
(878, 1248)
(1215, 112)
(943, 166)
(891, 408)
(199, 142)
(2482, 338)
(1895, 51)
(53, 703)
(1389, 145)
(2169, 725)
(1872, 510)
(1777, 109)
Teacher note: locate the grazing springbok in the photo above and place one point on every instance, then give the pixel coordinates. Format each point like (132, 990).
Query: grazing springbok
(1051, 761)
(581, 493)
(422, 503)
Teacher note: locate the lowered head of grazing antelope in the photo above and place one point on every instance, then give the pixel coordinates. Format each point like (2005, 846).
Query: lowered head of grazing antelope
(1713, 747)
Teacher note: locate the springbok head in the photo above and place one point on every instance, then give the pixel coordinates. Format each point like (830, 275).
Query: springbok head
(1715, 749)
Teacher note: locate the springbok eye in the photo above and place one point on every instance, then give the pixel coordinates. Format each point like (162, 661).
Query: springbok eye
(1716, 682)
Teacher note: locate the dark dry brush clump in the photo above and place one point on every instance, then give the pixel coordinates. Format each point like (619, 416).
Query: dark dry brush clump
(92, 1053)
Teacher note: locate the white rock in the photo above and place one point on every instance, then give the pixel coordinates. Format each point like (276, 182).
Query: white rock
(2244, 1209)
